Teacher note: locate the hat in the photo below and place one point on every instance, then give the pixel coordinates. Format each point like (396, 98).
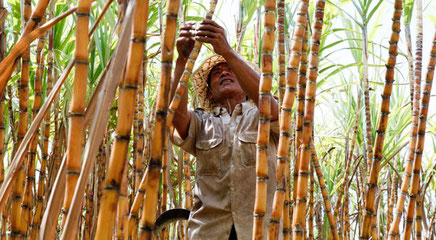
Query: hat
(202, 73)
(200, 79)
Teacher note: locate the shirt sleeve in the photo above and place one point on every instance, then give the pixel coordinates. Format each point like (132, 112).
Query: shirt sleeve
(188, 144)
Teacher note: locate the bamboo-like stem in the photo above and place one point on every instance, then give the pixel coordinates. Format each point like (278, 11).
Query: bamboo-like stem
(139, 144)
(285, 136)
(298, 220)
(368, 126)
(187, 177)
(418, 215)
(126, 101)
(282, 88)
(183, 84)
(18, 228)
(324, 192)
(384, 114)
(420, 143)
(264, 106)
(311, 201)
(26, 203)
(163, 204)
(133, 220)
(159, 132)
(394, 228)
(300, 109)
(281, 48)
(410, 62)
(88, 209)
(76, 137)
(391, 203)
(123, 207)
(37, 217)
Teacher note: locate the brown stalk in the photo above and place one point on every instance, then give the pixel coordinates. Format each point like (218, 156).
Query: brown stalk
(159, 132)
(421, 137)
(263, 136)
(382, 125)
(298, 220)
(285, 130)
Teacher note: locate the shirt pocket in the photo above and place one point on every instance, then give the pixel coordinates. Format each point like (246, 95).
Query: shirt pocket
(247, 141)
(208, 156)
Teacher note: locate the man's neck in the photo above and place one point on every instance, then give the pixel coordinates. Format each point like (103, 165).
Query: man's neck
(230, 103)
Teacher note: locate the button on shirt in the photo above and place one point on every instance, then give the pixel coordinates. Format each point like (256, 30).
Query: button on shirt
(224, 192)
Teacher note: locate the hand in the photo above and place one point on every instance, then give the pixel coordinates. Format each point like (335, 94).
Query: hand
(185, 42)
(210, 32)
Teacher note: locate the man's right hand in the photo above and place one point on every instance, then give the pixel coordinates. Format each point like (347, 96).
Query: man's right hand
(185, 42)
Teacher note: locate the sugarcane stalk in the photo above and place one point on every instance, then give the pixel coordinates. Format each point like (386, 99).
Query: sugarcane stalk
(300, 109)
(418, 215)
(126, 101)
(76, 137)
(139, 145)
(410, 62)
(187, 180)
(368, 127)
(420, 143)
(324, 192)
(123, 208)
(281, 49)
(311, 201)
(264, 107)
(298, 220)
(159, 132)
(26, 203)
(394, 228)
(285, 129)
(88, 209)
(183, 84)
(163, 204)
(384, 114)
(37, 217)
(18, 228)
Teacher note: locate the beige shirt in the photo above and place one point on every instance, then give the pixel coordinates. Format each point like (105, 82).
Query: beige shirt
(224, 193)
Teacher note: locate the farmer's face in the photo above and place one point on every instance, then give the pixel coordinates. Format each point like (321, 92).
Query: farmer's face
(223, 83)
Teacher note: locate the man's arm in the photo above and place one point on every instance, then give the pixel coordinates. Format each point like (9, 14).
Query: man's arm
(210, 32)
(182, 116)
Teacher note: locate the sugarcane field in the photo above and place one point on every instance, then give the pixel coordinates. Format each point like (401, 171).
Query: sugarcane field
(217, 119)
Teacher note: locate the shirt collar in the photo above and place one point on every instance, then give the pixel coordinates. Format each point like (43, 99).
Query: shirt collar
(217, 111)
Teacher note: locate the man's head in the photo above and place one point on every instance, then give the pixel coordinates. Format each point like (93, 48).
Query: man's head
(211, 88)
(223, 84)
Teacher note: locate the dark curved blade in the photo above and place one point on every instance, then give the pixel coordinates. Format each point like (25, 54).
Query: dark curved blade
(170, 216)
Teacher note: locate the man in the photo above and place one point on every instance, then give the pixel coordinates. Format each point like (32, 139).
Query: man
(222, 136)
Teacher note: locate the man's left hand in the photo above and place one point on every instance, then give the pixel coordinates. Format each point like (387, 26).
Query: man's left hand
(210, 32)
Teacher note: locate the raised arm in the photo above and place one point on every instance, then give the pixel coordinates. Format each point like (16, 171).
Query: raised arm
(185, 43)
(210, 32)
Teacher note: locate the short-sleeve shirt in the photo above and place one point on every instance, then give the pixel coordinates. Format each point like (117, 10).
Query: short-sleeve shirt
(224, 192)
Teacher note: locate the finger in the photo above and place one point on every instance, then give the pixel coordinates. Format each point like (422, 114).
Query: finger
(185, 33)
(184, 40)
(211, 22)
(206, 34)
(210, 28)
(187, 26)
(204, 39)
